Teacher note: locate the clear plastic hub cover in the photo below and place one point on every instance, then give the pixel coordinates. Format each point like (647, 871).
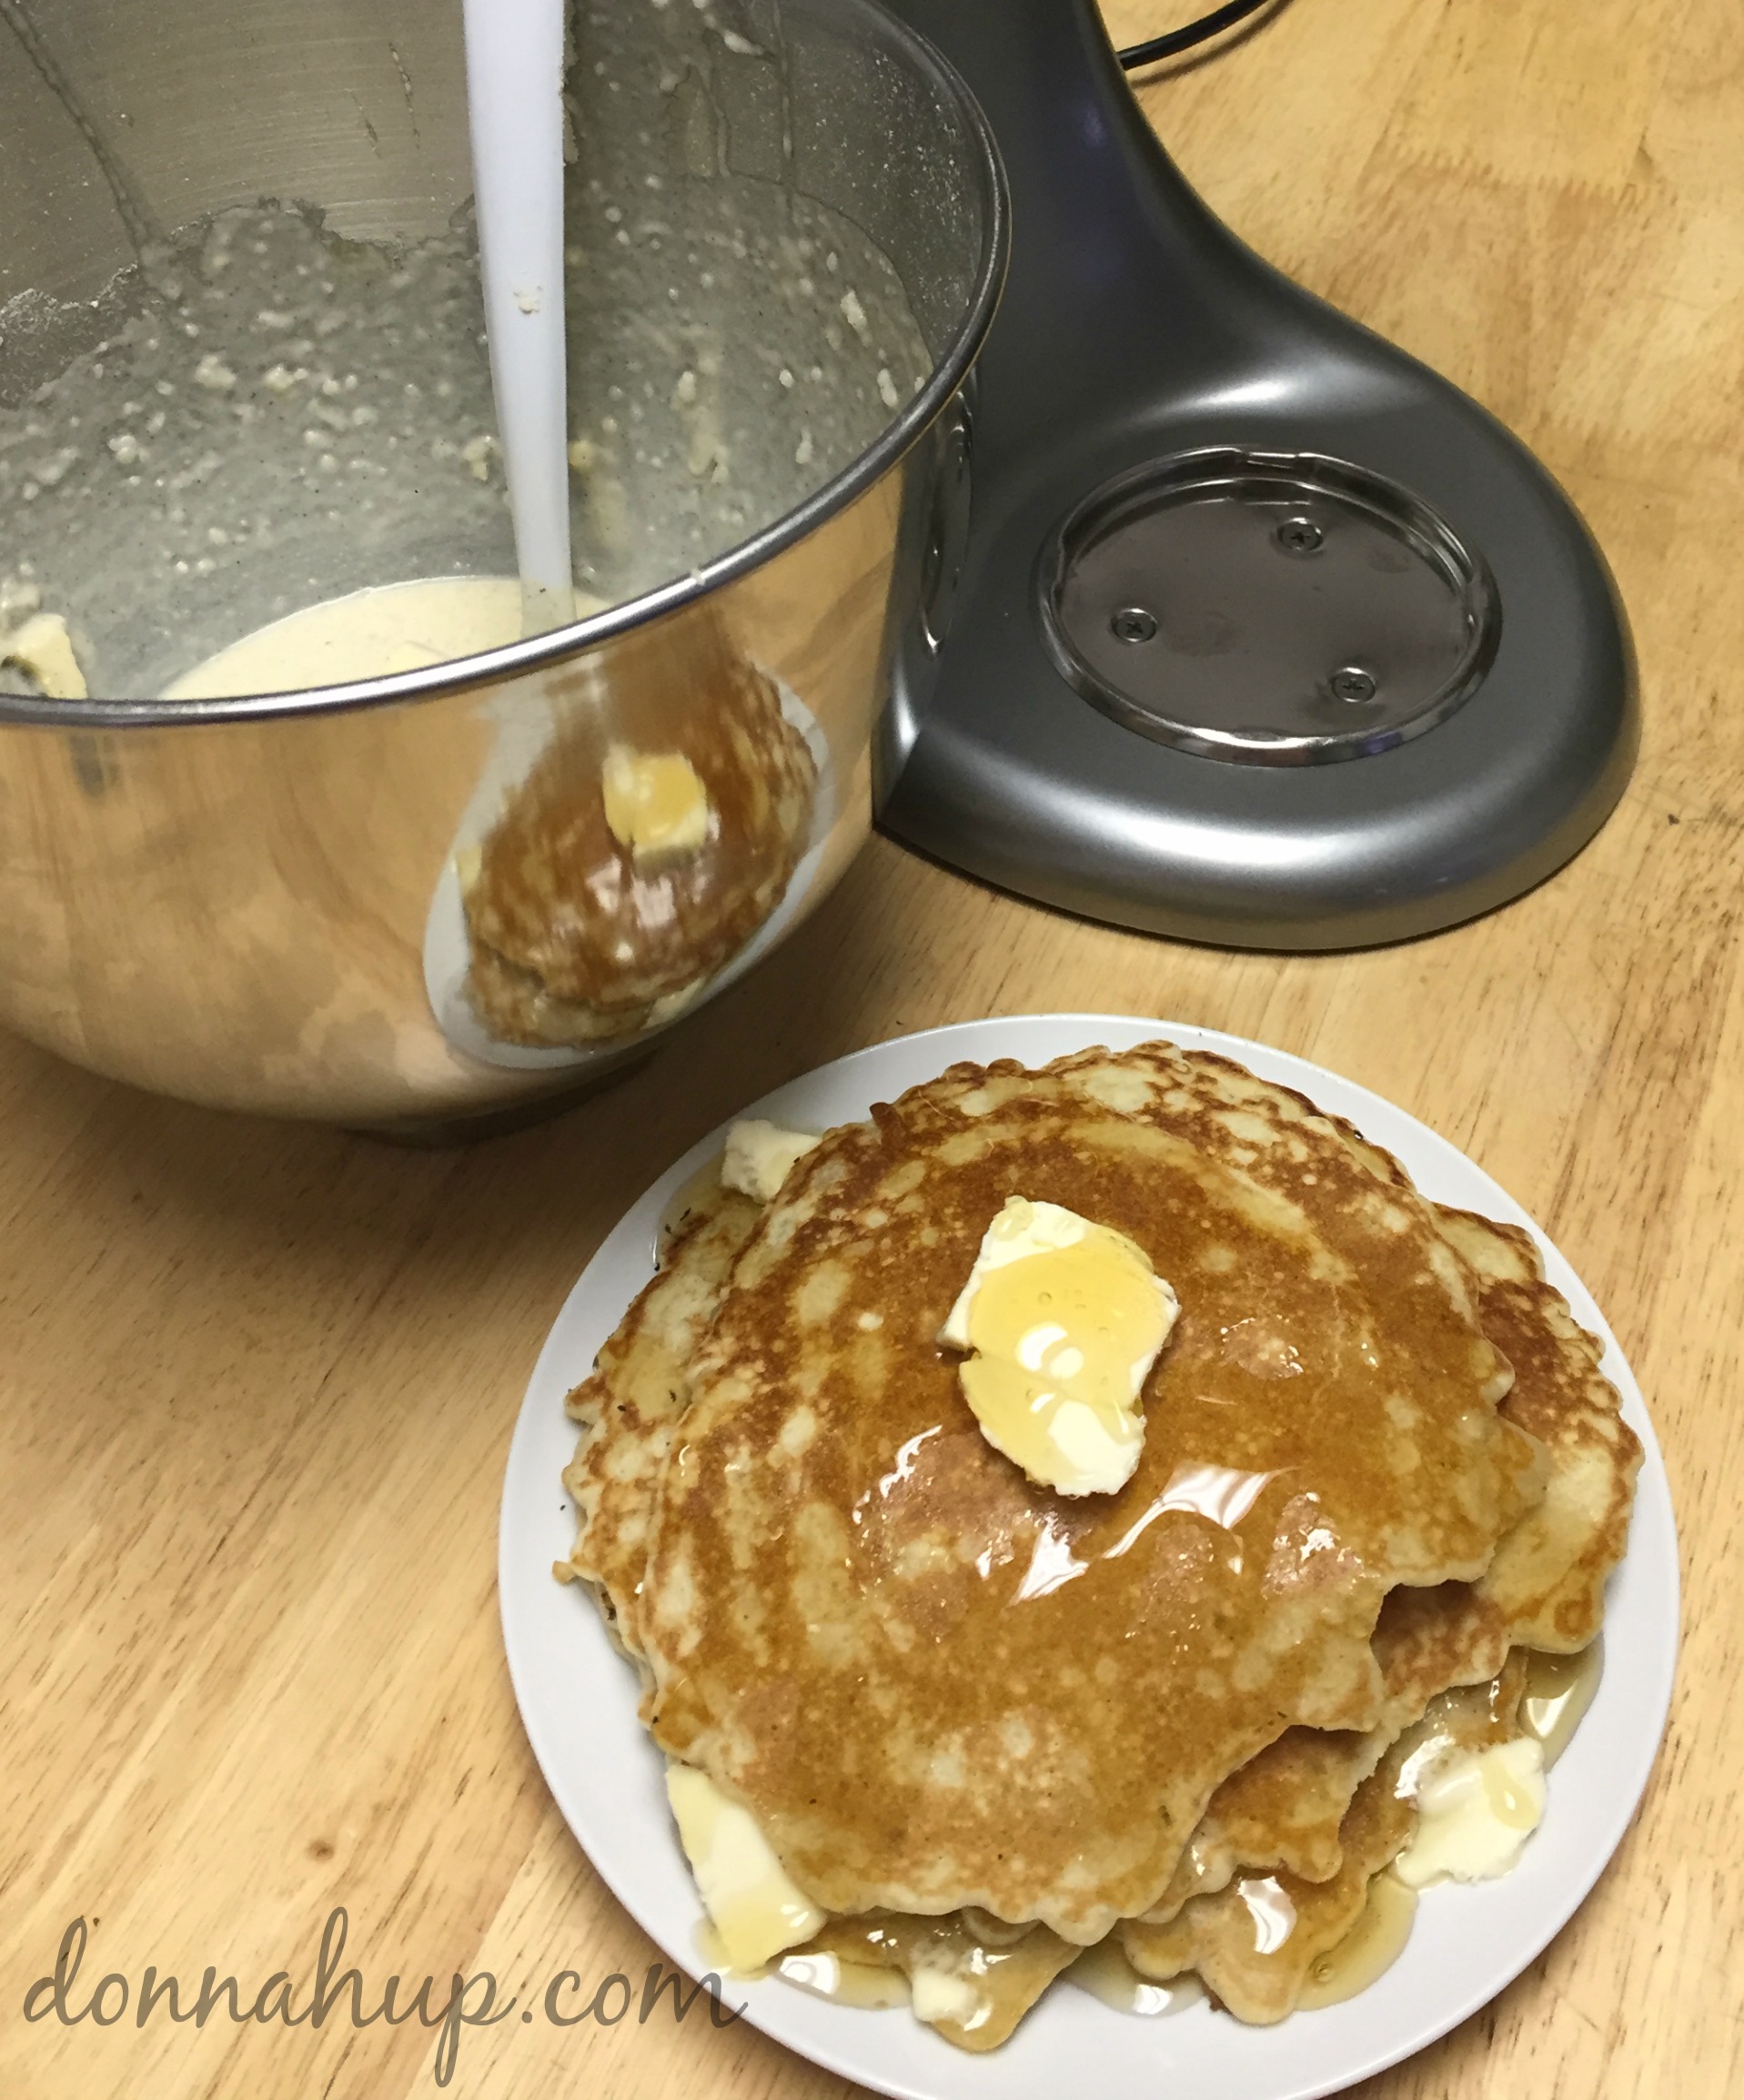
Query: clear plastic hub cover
(1267, 609)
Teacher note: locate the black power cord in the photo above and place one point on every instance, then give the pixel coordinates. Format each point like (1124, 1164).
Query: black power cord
(1199, 32)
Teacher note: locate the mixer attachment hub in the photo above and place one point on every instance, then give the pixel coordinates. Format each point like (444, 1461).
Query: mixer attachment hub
(1180, 599)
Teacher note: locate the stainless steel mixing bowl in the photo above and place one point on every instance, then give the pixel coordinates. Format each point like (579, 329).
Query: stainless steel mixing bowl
(262, 902)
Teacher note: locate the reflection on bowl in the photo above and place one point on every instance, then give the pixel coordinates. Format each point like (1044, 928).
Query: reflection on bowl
(622, 876)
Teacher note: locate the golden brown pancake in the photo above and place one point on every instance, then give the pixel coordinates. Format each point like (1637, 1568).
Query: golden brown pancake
(1550, 1583)
(937, 1686)
(1544, 1588)
(1547, 1579)
(575, 937)
(1285, 1809)
(1225, 1938)
(1256, 1943)
(631, 1405)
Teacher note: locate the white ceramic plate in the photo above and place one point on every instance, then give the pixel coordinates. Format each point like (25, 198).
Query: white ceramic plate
(578, 1696)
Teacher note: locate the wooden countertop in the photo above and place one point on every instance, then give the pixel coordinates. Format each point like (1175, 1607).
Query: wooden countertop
(258, 1382)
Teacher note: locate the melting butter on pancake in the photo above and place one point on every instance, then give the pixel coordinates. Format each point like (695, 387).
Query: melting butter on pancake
(760, 1156)
(935, 1685)
(755, 1908)
(1063, 1320)
(1476, 1808)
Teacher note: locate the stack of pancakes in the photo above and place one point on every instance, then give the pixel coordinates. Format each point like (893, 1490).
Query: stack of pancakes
(985, 1726)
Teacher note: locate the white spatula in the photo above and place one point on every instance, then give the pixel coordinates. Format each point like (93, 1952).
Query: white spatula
(514, 91)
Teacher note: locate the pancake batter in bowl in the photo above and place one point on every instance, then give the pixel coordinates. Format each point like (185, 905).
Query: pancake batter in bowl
(374, 633)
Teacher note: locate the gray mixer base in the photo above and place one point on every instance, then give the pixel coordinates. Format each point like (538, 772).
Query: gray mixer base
(1259, 632)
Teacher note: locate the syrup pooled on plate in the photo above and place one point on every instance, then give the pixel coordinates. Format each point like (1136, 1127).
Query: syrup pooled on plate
(1367, 1950)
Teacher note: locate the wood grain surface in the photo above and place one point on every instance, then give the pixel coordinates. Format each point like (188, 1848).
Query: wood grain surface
(257, 1382)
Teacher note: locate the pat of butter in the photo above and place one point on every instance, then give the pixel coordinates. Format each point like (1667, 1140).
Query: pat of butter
(1476, 1808)
(1065, 1319)
(940, 1995)
(43, 650)
(756, 1910)
(654, 803)
(759, 1157)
